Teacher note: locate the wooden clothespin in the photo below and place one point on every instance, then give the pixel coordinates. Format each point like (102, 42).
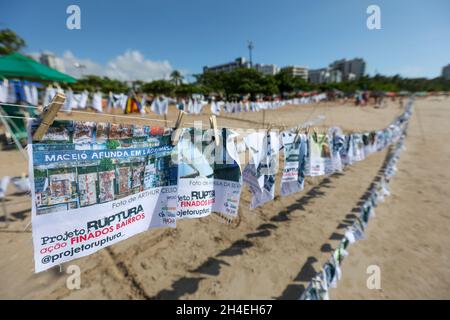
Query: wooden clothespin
(178, 129)
(213, 124)
(48, 115)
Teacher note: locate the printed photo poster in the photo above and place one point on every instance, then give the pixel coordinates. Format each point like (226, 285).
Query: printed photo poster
(87, 189)
(369, 141)
(358, 147)
(196, 193)
(319, 154)
(337, 143)
(90, 191)
(259, 174)
(346, 151)
(124, 179)
(83, 132)
(106, 185)
(61, 187)
(59, 132)
(295, 147)
(227, 175)
(381, 141)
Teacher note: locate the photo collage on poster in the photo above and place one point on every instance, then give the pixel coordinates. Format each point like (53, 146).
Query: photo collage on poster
(80, 164)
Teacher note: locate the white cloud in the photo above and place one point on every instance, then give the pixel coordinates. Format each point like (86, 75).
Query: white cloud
(78, 67)
(131, 65)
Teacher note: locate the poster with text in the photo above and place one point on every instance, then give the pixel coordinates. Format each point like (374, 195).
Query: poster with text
(97, 184)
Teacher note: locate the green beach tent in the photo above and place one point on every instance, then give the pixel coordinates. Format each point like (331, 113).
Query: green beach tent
(15, 65)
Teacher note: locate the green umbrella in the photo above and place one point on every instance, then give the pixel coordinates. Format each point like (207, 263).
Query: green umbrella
(16, 65)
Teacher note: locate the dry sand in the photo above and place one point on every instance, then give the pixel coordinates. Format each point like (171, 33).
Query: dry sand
(272, 252)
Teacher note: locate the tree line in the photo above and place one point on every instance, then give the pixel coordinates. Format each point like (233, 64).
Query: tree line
(239, 82)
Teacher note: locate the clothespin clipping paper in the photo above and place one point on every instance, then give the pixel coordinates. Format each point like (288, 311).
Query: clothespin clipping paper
(297, 134)
(48, 115)
(213, 123)
(177, 130)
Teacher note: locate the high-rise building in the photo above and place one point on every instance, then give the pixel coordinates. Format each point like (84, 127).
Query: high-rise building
(227, 67)
(317, 76)
(324, 75)
(296, 71)
(350, 69)
(446, 72)
(52, 61)
(267, 69)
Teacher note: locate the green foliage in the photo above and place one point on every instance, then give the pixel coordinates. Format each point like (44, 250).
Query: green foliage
(239, 82)
(112, 144)
(243, 81)
(187, 89)
(10, 42)
(394, 84)
(287, 83)
(176, 77)
(106, 164)
(159, 87)
(40, 173)
(93, 83)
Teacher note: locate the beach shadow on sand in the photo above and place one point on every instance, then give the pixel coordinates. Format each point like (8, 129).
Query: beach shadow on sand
(307, 271)
(212, 266)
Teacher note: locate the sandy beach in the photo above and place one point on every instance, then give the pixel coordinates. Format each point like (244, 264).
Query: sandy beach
(271, 252)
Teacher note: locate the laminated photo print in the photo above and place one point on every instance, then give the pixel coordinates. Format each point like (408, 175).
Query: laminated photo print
(196, 193)
(83, 132)
(337, 143)
(369, 140)
(356, 231)
(101, 132)
(124, 179)
(227, 176)
(294, 146)
(138, 174)
(319, 154)
(106, 185)
(380, 140)
(140, 131)
(83, 180)
(358, 147)
(87, 189)
(340, 252)
(317, 289)
(329, 270)
(259, 174)
(346, 151)
(61, 188)
(59, 132)
(367, 212)
(126, 131)
(115, 130)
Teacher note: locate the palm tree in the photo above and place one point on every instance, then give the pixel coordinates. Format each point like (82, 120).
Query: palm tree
(176, 77)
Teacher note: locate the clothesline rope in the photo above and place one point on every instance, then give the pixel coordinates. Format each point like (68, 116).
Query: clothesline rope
(91, 113)
(124, 117)
(17, 117)
(304, 125)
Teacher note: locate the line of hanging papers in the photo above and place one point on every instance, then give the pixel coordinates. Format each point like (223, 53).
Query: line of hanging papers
(94, 184)
(17, 91)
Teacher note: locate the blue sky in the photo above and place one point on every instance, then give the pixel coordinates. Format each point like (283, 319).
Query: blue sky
(156, 36)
